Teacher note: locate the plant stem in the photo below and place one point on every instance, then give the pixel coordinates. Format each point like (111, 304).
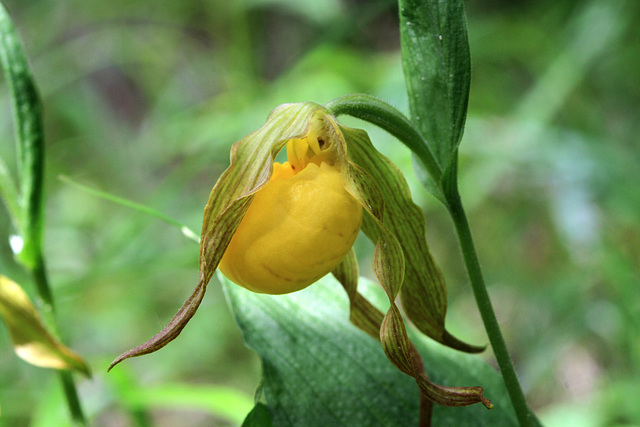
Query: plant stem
(73, 402)
(27, 206)
(510, 378)
(385, 116)
(47, 308)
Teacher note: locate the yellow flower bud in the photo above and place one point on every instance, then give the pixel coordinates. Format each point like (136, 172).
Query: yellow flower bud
(298, 227)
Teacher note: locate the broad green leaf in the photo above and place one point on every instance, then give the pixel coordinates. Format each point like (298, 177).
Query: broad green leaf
(27, 119)
(321, 370)
(437, 69)
(30, 339)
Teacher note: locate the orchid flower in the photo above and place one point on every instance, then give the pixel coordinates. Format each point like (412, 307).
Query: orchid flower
(277, 228)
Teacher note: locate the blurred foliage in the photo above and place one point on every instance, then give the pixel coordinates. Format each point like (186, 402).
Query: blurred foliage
(143, 100)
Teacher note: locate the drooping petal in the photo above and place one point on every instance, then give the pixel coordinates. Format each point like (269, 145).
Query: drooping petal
(424, 295)
(30, 338)
(361, 312)
(391, 331)
(250, 169)
(377, 184)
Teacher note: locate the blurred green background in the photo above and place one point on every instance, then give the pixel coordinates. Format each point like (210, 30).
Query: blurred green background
(143, 99)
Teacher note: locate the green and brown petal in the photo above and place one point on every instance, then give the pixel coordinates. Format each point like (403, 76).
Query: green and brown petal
(402, 261)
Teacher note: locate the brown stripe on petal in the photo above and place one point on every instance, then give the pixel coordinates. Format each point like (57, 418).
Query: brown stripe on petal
(424, 295)
(453, 396)
(401, 261)
(395, 341)
(251, 167)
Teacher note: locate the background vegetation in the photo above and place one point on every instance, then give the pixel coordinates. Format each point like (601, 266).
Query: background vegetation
(143, 100)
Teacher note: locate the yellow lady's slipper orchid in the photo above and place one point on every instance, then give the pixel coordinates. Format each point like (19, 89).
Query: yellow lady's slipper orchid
(277, 228)
(298, 227)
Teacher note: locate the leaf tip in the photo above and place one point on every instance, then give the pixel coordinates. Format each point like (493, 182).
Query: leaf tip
(84, 369)
(117, 360)
(486, 402)
(169, 332)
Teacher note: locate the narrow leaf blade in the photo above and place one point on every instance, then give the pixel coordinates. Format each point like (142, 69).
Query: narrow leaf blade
(29, 131)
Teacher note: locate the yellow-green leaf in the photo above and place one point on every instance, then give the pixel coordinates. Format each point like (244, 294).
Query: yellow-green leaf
(31, 341)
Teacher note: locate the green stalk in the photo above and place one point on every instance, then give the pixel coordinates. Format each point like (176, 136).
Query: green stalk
(73, 401)
(509, 376)
(47, 309)
(387, 117)
(27, 206)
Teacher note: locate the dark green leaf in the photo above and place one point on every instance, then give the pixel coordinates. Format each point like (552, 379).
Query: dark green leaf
(258, 417)
(436, 62)
(321, 370)
(27, 118)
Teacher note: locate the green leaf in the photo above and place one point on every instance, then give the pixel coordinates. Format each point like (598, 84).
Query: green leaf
(27, 118)
(258, 417)
(31, 341)
(437, 69)
(321, 370)
(9, 194)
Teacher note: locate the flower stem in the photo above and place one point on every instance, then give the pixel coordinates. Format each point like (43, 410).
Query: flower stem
(510, 378)
(385, 116)
(73, 402)
(48, 313)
